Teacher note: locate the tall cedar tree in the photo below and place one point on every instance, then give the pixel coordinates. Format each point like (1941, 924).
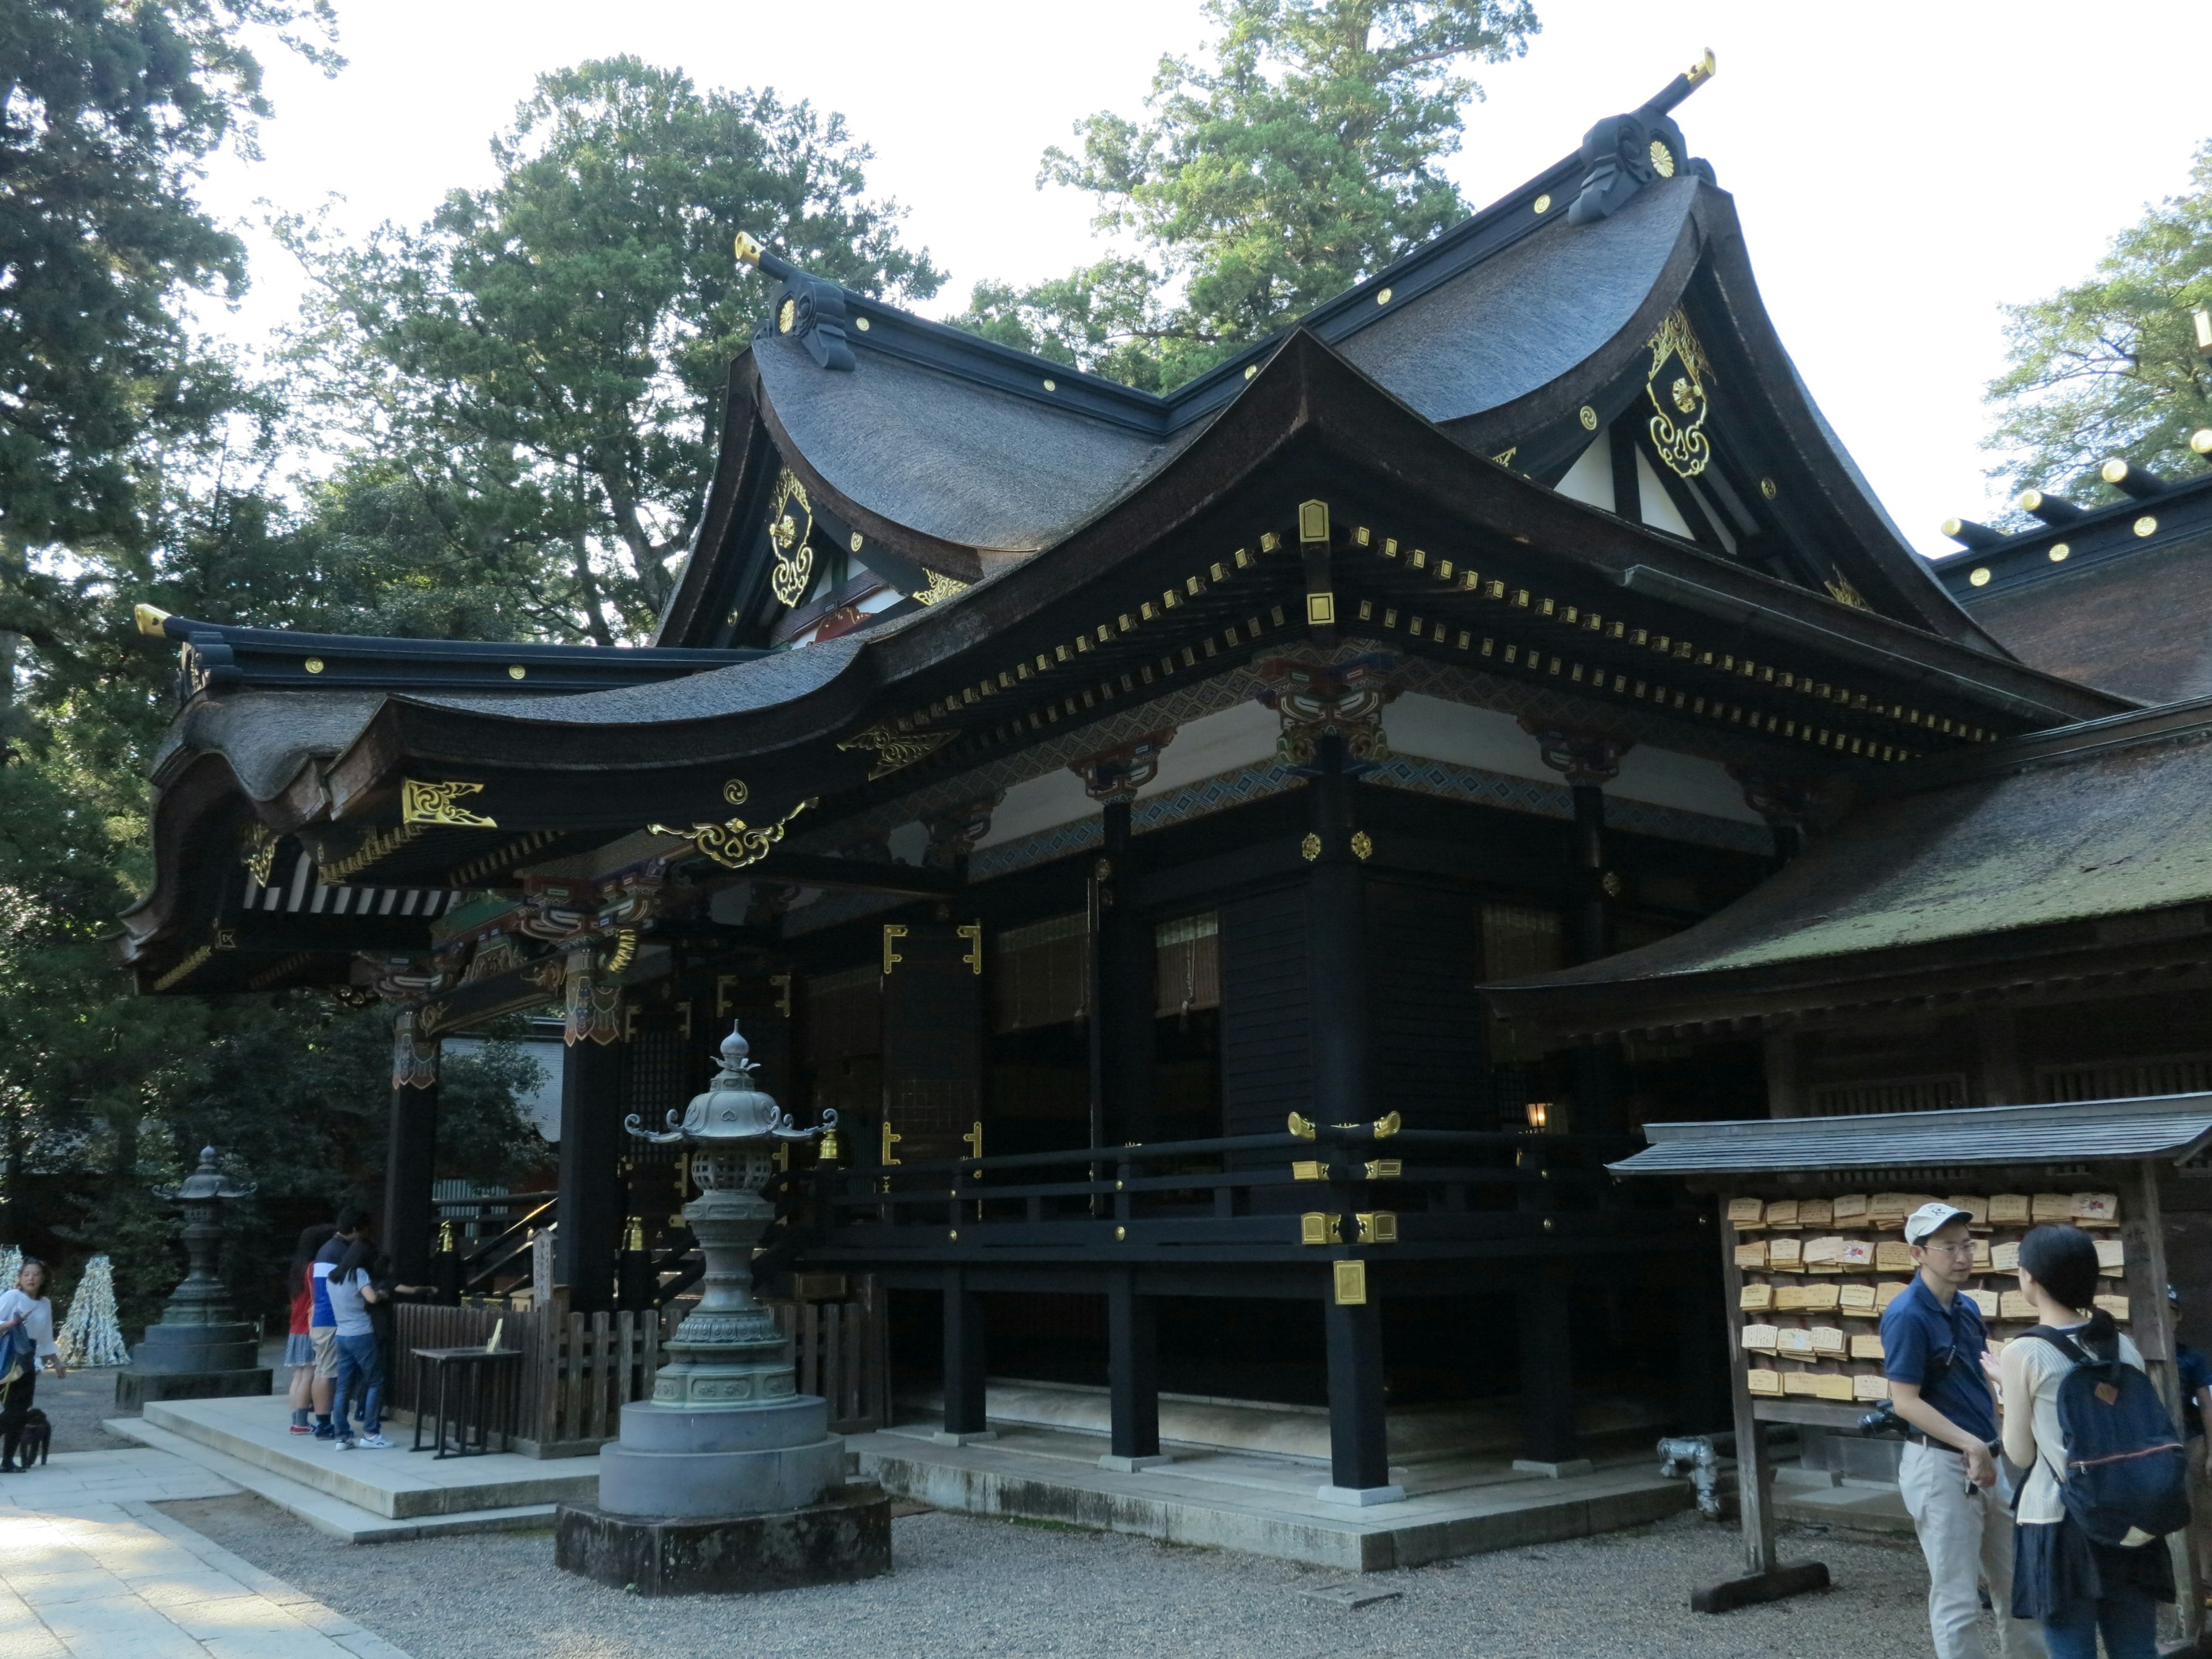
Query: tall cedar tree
(532, 382)
(1304, 158)
(2110, 366)
(133, 464)
(110, 109)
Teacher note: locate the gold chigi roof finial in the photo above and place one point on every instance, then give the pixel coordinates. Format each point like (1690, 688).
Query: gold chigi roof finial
(749, 250)
(150, 619)
(1703, 71)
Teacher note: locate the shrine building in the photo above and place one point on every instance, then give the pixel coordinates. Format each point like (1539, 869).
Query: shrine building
(1110, 804)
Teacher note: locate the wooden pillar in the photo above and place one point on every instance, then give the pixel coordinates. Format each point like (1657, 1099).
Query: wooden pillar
(1784, 1096)
(932, 1037)
(1336, 944)
(1588, 760)
(1132, 1374)
(964, 1357)
(1999, 1079)
(592, 1189)
(1359, 1448)
(411, 1154)
(1546, 1323)
(1121, 1058)
(2146, 1278)
(1122, 1022)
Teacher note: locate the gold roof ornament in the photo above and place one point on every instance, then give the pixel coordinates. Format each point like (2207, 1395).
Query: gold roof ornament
(748, 249)
(149, 620)
(1703, 71)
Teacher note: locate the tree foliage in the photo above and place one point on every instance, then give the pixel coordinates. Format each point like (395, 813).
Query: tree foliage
(2109, 366)
(109, 110)
(524, 393)
(532, 381)
(1304, 157)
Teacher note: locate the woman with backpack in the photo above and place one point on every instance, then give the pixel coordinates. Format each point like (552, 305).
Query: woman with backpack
(2105, 1470)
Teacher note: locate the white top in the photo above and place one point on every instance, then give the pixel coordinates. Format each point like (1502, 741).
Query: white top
(348, 1312)
(37, 1313)
(2033, 1370)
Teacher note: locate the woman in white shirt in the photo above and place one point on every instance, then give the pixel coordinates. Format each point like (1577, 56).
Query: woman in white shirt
(2073, 1584)
(26, 1316)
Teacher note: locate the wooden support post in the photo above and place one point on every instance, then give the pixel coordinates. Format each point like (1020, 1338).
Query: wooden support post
(2146, 1279)
(410, 1153)
(1547, 1372)
(963, 1360)
(1627, 486)
(410, 1164)
(1359, 1448)
(1998, 1078)
(1336, 920)
(591, 1211)
(1764, 1578)
(1122, 1023)
(1132, 1375)
(1784, 1097)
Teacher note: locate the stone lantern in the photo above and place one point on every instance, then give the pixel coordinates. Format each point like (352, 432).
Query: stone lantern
(728, 1479)
(201, 1349)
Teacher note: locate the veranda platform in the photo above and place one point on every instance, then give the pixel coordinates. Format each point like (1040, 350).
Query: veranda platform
(361, 1496)
(1265, 1505)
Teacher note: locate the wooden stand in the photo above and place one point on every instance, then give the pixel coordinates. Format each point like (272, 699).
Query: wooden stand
(1766, 1579)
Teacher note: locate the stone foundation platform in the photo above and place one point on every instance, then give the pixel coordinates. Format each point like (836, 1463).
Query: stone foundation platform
(845, 1537)
(135, 1389)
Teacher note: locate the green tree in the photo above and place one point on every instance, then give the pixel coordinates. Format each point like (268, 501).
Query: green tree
(532, 382)
(1304, 157)
(2110, 366)
(110, 110)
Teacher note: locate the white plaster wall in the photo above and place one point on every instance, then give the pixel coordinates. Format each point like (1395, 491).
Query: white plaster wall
(1658, 506)
(1037, 803)
(1438, 730)
(1666, 777)
(1590, 478)
(1217, 743)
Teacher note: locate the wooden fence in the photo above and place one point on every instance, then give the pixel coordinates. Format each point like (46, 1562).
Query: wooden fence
(842, 1350)
(579, 1370)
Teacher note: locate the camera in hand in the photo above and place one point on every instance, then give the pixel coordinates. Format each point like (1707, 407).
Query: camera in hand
(1882, 1419)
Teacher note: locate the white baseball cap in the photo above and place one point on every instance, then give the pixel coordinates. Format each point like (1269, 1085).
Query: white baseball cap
(1928, 1216)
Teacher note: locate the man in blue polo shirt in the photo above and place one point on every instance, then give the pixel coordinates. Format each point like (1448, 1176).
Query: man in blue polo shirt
(1932, 1350)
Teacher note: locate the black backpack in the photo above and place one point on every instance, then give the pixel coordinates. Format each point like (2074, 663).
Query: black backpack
(2126, 1466)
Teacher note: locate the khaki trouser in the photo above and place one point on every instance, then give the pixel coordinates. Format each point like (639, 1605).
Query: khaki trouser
(1963, 1538)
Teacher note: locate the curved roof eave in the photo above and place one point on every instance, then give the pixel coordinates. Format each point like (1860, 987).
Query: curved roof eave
(1306, 392)
(1794, 414)
(1307, 389)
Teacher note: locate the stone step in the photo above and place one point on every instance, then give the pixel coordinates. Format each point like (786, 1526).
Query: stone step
(334, 1516)
(395, 1484)
(1265, 1505)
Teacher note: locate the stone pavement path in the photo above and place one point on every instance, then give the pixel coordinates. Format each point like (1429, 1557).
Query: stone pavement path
(90, 1569)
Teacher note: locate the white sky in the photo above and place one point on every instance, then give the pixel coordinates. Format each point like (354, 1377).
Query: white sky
(1901, 170)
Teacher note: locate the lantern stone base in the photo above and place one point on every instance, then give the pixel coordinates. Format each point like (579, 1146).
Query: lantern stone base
(676, 1462)
(843, 1538)
(135, 1388)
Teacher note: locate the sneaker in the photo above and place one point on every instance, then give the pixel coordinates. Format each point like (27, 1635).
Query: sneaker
(346, 1442)
(373, 1442)
(301, 1428)
(323, 1431)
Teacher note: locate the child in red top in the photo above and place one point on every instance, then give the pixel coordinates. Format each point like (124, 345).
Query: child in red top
(298, 1347)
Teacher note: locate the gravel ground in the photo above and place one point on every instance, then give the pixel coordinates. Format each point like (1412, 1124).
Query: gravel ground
(76, 1405)
(1013, 1590)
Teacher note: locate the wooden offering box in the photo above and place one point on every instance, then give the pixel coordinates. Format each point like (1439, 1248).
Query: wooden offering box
(1810, 1214)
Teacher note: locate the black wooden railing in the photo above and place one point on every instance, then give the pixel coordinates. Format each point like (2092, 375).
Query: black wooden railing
(481, 1240)
(1240, 1198)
